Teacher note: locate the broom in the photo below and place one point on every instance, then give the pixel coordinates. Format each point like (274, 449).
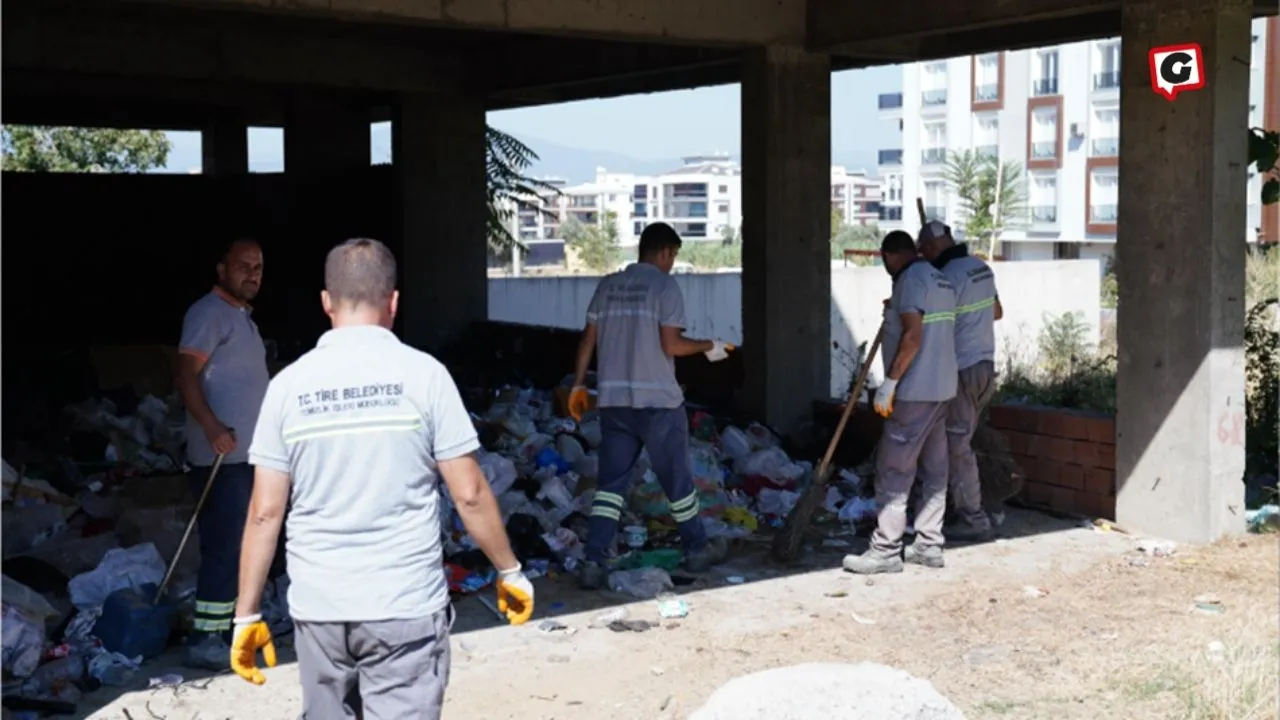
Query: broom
(786, 544)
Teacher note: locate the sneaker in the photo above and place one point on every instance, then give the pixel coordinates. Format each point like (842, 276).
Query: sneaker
(964, 532)
(592, 576)
(872, 563)
(210, 652)
(713, 553)
(929, 556)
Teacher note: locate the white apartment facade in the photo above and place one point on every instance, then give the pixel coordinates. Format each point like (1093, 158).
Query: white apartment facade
(701, 200)
(1054, 110)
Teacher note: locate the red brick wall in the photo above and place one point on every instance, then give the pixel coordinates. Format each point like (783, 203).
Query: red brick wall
(1068, 457)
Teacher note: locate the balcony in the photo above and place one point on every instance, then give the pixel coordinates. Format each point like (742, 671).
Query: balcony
(1106, 80)
(1044, 214)
(891, 213)
(935, 212)
(891, 157)
(933, 98)
(1045, 86)
(890, 101)
(1104, 147)
(1102, 214)
(582, 203)
(991, 152)
(1044, 150)
(933, 156)
(987, 92)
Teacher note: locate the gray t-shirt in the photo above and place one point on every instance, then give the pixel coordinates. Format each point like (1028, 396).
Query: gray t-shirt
(975, 286)
(629, 309)
(921, 288)
(220, 330)
(359, 424)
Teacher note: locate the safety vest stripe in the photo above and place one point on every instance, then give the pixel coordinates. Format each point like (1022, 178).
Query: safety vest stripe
(976, 307)
(934, 317)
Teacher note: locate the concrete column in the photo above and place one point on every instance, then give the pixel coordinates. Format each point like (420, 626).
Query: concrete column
(786, 266)
(1180, 267)
(224, 145)
(325, 134)
(438, 152)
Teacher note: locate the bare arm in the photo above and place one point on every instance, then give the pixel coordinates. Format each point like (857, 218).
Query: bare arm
(186, 376)
(586, 348)
(999, 311)
(478, 509)
(909, 346)
(675, 344)
(261, 533)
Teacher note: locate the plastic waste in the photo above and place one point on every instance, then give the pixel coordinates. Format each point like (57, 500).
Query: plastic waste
(857, 508)
(499, 471)
(23, 642)
(777, 502)
(26, 601)
(133, 624)
(113, 668)
(570, 449)
(643, 583)
(119, 569)
(56, 679)
(734, 443)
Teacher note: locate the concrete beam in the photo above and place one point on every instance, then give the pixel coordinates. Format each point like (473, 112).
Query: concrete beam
(716, 22)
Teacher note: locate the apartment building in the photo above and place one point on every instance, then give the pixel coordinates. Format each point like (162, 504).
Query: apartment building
(1056, 111)
(855, 196)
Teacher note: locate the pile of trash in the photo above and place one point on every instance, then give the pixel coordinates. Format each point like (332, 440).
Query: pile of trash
(544, 468)
(85, 552)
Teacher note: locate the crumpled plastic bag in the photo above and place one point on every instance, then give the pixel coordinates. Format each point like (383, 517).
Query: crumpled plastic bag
(499, 471)
(26, 601)
(643, 583)
(23, 642)
(119, 569)
(735, 443)
(771, 463)
(777, 502)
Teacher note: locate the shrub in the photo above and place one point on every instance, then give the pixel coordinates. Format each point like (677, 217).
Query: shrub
(1069, 372)
(1262, 387)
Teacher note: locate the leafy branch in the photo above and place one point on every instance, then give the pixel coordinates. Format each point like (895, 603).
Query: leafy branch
(1264, 155)
(507, 163)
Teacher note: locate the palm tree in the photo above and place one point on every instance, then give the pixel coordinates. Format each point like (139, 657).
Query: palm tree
(507, 163)
(973, 178)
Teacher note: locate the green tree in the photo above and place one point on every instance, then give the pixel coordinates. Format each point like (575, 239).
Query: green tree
(715, 254)
(837, 221)
(1264, 155)
(856, 237)
(507, 183)
(38, 148)
(595, 245)
(973, 178)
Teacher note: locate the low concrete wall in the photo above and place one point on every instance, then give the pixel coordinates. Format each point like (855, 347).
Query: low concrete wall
(1068, 457)
(713, 305)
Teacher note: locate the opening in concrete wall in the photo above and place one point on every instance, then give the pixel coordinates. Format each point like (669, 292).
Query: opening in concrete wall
(266, 149)
(40, 148)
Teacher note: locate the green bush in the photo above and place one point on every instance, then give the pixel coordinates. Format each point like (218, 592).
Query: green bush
(1262, 387)
(1069, 372)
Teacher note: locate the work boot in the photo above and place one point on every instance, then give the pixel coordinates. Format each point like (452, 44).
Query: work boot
(872, 562)
(592, 576)
(965, 532)
(929, 556)
(209, 652)
(713, 553)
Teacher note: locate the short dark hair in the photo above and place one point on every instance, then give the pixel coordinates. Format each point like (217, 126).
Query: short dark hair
(898, 241)
(228, 246)
(360, 271)
(657, 237)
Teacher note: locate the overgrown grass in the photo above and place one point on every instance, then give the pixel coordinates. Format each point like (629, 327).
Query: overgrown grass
(1069, 372)
(1234, 680)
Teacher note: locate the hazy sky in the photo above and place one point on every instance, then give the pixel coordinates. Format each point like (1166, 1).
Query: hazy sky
(654, 126)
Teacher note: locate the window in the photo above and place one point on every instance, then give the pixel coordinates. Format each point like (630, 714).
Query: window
(1044, 198)
(1104, 195)
(1066, 251)
(722, 208)
(893, 188)
(640, 192)
(1106, 65)
(640, 210)
(639, 227)
(933, 84)
(1105, 132)
(935, 200)
(986, 135)
(1044, 133)
(1045, 73)
(723, 189)
(986, 82)
(935, 142)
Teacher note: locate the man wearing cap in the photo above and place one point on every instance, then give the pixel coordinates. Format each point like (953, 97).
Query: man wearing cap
(358, 433)
(635, 322)
(919, 357)
(977, 310)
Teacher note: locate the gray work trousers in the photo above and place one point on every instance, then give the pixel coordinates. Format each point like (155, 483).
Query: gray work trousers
(914, 439)
(387, 670)
(977, 385)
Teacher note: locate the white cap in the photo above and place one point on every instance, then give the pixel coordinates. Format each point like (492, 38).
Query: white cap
(933, 230)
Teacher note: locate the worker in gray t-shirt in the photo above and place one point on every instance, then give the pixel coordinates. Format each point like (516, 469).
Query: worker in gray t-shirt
(356, 435)
(221, 373)
(919, 356)
(977, 310)
(635, 326)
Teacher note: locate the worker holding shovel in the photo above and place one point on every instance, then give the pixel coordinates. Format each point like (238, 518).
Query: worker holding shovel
(635, 323)
(919, 357)
(221, 373)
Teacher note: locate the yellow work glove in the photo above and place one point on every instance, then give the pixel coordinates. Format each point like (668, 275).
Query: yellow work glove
(515, 595)
(251, 635)
(578, 401)
(884, 397)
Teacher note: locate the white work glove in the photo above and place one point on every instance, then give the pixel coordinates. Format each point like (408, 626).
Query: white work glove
(884, 397)
(719, 351)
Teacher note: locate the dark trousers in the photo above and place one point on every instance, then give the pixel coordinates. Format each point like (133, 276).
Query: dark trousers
(664, 434)
(221, 526)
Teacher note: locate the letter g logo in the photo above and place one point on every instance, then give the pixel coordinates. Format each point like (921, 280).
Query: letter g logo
(1176, 69)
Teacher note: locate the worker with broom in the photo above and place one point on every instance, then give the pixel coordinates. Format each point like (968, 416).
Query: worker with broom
(635, 322)
(358, 433)
(221, 373)
(919, 357)
(977, 310)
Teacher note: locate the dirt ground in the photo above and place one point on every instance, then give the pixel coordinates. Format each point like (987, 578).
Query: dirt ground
(1054, 621)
